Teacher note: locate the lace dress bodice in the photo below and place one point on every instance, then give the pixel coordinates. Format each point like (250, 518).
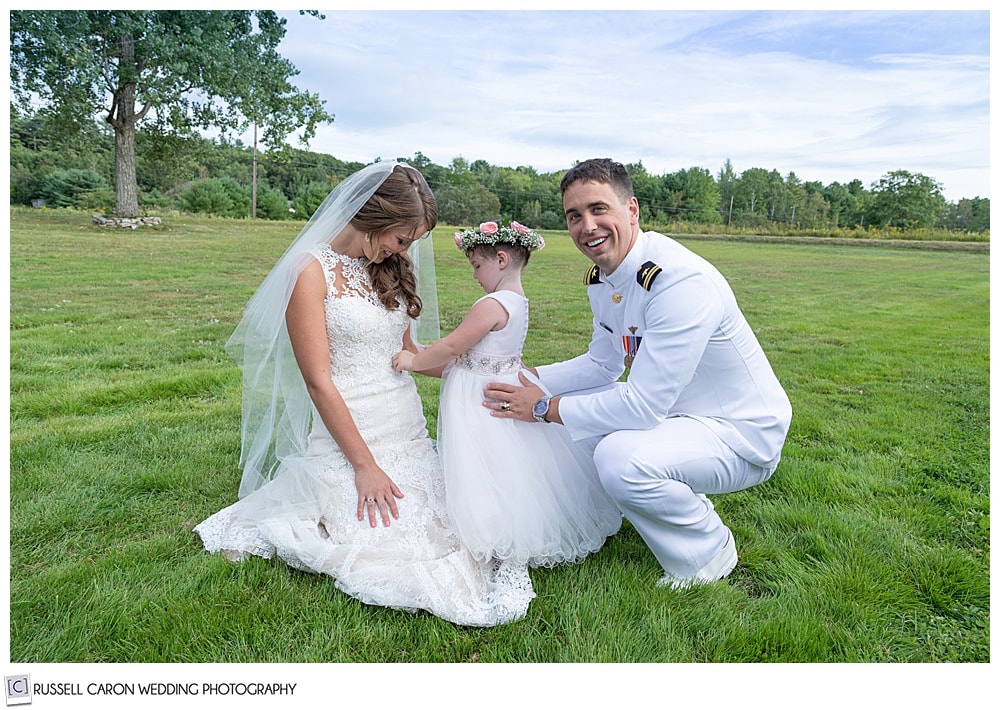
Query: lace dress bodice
(363, 336)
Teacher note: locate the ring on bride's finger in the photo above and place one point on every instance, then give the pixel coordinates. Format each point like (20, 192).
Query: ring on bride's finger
(504, 406)
(370, 500)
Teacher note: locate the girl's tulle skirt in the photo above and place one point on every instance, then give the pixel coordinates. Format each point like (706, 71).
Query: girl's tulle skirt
(516, 490)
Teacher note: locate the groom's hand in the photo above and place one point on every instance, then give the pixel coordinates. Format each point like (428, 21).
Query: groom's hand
(511, 401)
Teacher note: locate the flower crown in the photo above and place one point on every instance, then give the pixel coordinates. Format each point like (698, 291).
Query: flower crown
(494, 233)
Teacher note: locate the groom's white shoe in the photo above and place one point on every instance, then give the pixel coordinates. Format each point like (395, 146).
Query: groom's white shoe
(719, 567)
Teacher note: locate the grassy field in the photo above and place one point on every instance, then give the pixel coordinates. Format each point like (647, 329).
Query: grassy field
(869, 544)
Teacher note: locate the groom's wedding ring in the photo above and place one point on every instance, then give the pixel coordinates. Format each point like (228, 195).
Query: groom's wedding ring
(504, 406)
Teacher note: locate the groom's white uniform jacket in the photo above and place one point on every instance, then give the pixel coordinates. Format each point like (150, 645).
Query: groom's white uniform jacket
(697, 356)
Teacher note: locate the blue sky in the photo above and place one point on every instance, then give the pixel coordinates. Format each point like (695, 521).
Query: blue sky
(831, 96)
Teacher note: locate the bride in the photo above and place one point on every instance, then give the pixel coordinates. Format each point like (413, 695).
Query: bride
(339, 474)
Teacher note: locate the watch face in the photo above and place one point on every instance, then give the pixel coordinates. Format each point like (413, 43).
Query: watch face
(541, 407)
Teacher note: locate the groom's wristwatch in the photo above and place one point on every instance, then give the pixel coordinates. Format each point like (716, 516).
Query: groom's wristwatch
(541, 408)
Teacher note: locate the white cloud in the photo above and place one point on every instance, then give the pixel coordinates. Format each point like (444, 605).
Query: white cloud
(832, 96)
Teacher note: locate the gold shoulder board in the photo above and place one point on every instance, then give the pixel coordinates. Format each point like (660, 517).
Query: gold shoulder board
(647, 274)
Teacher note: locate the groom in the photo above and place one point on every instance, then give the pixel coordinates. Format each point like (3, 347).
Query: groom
(701, 411)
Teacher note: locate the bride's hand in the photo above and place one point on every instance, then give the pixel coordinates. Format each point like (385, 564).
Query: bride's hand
(376, 495)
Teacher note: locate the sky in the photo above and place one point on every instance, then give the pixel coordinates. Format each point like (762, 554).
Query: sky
(831, 95)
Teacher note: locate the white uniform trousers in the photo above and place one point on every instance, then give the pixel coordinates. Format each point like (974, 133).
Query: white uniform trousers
(655, 477)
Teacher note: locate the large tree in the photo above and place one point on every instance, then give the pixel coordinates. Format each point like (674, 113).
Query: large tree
(693, 195)
(905, 200)
(175, 71)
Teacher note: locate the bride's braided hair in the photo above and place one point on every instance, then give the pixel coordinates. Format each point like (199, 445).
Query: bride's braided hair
(403, 202)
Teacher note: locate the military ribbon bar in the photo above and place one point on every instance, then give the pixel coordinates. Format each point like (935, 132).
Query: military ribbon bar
(631, 346)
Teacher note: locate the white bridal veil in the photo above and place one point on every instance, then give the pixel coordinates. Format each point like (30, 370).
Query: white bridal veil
(277, 411)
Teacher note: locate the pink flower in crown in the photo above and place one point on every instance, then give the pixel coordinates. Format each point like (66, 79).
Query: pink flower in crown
(458, 239)
(541, 242)
(518, 227)
(489, 227)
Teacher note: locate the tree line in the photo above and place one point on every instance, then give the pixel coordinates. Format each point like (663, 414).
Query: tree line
(199, 175)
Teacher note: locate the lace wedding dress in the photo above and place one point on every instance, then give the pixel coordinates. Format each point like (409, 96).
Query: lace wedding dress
(306, 515)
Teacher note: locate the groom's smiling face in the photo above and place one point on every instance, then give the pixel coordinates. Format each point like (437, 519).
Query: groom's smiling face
(602, 224)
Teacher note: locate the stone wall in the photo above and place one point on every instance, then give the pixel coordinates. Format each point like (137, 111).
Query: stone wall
(124, 222)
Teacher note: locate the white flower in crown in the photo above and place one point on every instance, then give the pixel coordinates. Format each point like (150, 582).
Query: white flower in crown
(494, 233)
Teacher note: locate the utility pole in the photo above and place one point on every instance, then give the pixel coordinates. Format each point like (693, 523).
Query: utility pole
(253, 189)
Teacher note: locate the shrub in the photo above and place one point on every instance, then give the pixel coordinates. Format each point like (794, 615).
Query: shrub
(100, 200)
(154, 199)
(272, 203)
(223, 197)
(66, 188)
(309, 198)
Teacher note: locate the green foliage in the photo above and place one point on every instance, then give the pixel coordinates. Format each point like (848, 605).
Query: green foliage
(262, 91)
(101, 200)
(69, 188)
(967, 215)
(292, 171)
(906, 200)
(154, 200)
(870, 544)
(522, 191)
(176, 70)
(692, 195)
(39, 147)
(537, 218)
(228, 161)
(272, 204)
(223, 197)
(26, 168)
(165, 160)
(309, 198)
(847, 203)
(467, 204)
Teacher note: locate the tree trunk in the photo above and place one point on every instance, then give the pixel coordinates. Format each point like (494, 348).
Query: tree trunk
(126, 184)
(123, 118)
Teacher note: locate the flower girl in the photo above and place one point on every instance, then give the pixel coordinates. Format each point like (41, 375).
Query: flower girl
(514, 490)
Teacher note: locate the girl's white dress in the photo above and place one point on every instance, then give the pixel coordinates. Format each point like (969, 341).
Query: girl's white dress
(516, 490)
(307, 517)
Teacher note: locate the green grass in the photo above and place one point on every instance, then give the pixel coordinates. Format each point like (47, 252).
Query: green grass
(869, 544)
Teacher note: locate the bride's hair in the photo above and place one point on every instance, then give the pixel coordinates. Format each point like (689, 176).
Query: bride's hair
(402, 202)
